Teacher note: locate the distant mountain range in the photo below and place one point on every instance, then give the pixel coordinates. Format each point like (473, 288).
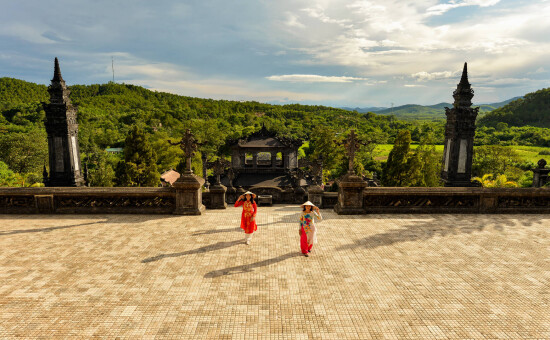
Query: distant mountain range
(429, 112)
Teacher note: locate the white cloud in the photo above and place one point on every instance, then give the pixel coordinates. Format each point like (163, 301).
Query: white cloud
(292, 20)
(442, 8)
(29, 33)
(414, 85)
(318, 13)
(425, 76)
(313, 78)
(273, 48)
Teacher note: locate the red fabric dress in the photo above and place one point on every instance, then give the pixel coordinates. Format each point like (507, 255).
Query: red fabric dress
(249, 210)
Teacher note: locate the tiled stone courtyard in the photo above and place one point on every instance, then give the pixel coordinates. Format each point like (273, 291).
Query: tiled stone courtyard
(371, 276)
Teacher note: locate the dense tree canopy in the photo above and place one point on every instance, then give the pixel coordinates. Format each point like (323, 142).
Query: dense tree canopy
(109, 112)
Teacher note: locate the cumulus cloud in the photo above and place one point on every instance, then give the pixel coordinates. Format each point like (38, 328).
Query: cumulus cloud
(292, 20)
(425, 76)
(318, 13)
(313, 78)
(271, 48)
(442, 8)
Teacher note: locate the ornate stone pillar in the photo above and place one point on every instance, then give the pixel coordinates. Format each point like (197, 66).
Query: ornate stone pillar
(62, 129)
(273, 159)
(459, 136)
(243, 159)
(204, 169)
(255, 160)
(286, 160)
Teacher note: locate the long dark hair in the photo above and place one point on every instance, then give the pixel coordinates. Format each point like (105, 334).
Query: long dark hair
(251, 198)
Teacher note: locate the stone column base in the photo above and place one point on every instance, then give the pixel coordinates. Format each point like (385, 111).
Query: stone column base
(217, 197)
(315, 195)
(350, 196)
(189, 195)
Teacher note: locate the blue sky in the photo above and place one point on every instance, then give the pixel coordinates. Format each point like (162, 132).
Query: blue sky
(330, 52)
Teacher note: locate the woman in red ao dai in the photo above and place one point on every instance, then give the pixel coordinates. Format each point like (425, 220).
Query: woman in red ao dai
(248, 216)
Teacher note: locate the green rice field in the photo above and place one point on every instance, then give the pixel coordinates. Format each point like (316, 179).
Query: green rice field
(527, 153)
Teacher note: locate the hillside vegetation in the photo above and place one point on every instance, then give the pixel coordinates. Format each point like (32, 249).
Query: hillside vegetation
(109, 113)
(425, 112)
(533, 109)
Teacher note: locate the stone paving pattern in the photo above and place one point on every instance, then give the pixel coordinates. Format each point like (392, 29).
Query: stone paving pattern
(371, 276)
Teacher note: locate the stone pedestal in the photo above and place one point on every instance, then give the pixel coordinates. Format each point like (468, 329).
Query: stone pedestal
(189, 195)
(350, 196)
(540, 174)
(315, 195)
(299, 195)
(217, 196)
(231, 194)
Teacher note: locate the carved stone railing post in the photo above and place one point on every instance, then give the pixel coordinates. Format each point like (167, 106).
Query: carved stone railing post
(315, 195)
(217, 191)
(314, 191)
(188, 186)
(351, 186)
(540, 174)
(44, 204)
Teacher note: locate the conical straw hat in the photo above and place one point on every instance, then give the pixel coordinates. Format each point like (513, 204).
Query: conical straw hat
(308, 203)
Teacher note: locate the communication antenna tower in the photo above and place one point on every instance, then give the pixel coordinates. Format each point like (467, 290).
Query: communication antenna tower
(113, 67)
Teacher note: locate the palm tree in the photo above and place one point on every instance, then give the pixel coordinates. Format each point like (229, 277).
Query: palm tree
(499, 182)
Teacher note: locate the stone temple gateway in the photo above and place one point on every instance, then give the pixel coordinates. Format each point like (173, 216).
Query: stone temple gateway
(264, 159)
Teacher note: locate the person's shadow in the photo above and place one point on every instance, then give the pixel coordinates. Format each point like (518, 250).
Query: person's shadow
(245, 268)
(216, 231)
(212, 247)
(45, 230)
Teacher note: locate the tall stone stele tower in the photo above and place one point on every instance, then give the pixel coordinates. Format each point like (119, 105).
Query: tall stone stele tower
(459, 136)
(62, 129)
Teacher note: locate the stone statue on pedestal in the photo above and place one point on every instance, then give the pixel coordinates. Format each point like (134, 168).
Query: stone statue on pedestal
(188, 186)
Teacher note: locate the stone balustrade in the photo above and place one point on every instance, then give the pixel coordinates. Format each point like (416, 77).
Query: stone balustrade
(82, 200)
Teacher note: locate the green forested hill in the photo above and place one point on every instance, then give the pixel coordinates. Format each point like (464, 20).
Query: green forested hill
(533, 109)
(107, 112)
(434, 112)
(15, 92)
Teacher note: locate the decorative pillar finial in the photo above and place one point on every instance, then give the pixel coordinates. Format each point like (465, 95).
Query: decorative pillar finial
(57, 71)
(189, 146)
(352, 145)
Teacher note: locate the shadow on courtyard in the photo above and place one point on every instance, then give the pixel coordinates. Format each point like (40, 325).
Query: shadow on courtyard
(246, 268)
(212, 247)
(36, 219)
(425, 230)
(216, 231)
(45, 230)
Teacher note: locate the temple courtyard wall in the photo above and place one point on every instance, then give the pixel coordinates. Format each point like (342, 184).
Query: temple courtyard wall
(376, 276)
